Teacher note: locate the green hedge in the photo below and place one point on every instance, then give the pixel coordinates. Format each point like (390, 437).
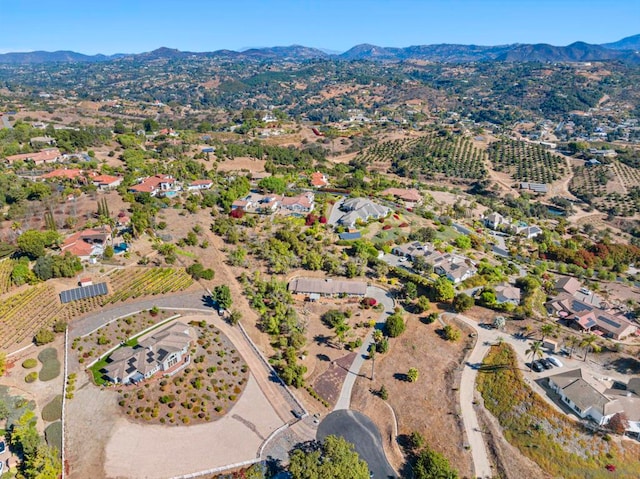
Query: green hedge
(29, 363)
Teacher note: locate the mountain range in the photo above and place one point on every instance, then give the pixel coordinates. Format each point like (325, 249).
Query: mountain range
(625, 50)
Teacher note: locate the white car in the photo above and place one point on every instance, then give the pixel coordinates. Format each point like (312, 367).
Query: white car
(555, 361)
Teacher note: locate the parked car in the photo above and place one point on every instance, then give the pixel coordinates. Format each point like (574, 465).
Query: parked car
(537, 366)
(545, 363)
(3, 447)
(555, 361)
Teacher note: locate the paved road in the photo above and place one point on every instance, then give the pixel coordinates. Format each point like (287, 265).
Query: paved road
(383, 297)
(359, 430)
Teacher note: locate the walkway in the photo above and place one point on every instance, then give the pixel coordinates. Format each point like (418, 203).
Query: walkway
(383, 297)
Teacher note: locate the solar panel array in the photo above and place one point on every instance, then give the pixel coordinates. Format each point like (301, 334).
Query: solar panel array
(84, 292)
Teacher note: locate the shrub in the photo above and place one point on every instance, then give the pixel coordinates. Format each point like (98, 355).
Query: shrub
(383, 393)
(451, 333)
(395, 325)
(60, 326)
(412, 375)
(44, 336)
(29, 363)
(31, 377)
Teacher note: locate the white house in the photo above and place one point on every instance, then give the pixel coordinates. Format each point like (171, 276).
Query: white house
(454, 267)
(200, 185)
(495, 220)
(361, 209)
(506, 293)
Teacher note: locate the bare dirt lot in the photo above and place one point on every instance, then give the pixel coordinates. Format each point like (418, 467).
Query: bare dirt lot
(429, 405)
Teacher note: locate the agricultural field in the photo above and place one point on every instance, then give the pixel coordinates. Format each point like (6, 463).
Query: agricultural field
(614, 187)
(22, 314)
(557, 444)
(133, 283)
(435, 155)
(526, 161)
(6, 266)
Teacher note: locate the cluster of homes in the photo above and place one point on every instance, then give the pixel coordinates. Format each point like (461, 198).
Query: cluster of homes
(497, 222)
(591, 399)
(455, 267)
(270, 203)
(585, 311)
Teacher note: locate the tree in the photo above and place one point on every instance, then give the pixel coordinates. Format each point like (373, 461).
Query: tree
(572, 342)
(222, 296)
(451, 333)
(333, 458)
(463, 242)
(33, 243)
(412, 375)
(150, 125)
(234, 317)
(108, 252)
(273, 184)
(39, 461)
(499, 322)
(463, 302)
(589, 344)
(3, 363)
(383, 393)
(443, 290)
(432, 465)
(395, 325)
(535, 351)
(423, 304)
(546, 330)
(618, 423)
(410, 290)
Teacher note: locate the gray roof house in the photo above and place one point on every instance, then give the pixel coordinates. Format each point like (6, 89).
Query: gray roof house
(454, 267)
(361, 209)
(495, 220)
(162, 351)
(506, 293)
(327, 287)
(599, 406)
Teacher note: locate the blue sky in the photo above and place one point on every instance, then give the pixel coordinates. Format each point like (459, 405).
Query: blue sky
(132, 26)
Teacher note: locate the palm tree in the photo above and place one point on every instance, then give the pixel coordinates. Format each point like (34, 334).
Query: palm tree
(534, 350)
(546, 330)
(588, 343)
(572, 342)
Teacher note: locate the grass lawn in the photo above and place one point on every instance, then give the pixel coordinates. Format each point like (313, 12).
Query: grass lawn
(95, 371)
(447, 235)
(559, 445)
(53, 435)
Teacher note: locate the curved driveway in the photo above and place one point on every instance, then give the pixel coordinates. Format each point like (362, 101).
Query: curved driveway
(359, 430)
(383, 297)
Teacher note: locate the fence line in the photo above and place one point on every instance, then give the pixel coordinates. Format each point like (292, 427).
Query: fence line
(270, 368)
(64, 398)
(218, 469)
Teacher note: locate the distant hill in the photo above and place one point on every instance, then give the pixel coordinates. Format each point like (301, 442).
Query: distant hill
(51, 57)
(628, 43)
(626, 50)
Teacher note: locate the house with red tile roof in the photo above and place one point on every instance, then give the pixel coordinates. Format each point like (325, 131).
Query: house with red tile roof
(107, 182)
(409, 196)
(48, 155)
(319, 180)
(87, 243)
(303, 203)
(64, 173)
(155, 185)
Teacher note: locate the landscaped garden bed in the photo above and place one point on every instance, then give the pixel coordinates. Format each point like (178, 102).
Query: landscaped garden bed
(102, 340)
(201, 392)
